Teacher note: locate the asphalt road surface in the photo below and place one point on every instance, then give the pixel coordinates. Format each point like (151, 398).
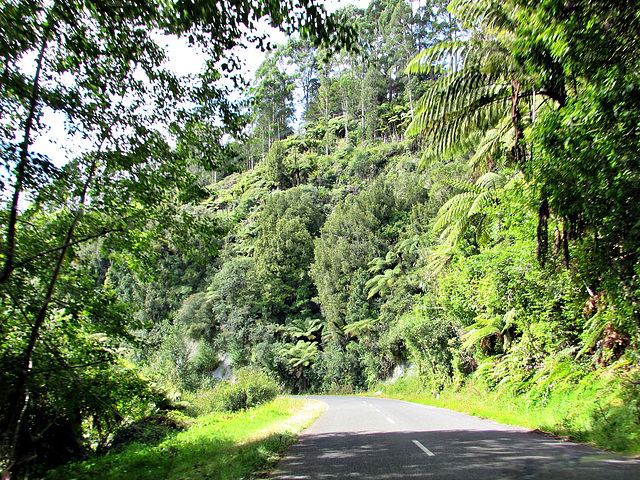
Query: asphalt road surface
(377, 438)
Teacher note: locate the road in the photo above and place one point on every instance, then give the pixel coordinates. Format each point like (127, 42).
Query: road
(377, 438)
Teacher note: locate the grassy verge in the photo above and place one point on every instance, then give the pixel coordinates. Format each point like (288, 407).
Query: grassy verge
(598, 410)
(216, 446)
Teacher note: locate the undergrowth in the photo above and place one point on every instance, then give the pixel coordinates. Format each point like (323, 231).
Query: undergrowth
(250, 388)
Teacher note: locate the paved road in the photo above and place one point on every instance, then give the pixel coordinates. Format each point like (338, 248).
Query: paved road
(376, 438)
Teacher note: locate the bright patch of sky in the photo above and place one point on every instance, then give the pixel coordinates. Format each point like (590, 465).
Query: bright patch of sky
(185, 59)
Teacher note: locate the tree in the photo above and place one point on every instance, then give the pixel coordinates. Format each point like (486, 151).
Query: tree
(303, 56)
(471, 205)
(284, 251)
(349, 239)
(272, 104)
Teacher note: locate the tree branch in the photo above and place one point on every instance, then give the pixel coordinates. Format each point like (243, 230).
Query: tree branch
(67, 245)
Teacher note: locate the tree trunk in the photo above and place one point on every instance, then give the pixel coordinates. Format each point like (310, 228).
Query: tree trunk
(345, 109)
(518, 149)
(17, 420)
(22, 164)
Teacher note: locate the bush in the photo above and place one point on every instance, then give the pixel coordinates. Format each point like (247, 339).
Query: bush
(149, 430)
(339, 369)
(250, 388)
(432, 341)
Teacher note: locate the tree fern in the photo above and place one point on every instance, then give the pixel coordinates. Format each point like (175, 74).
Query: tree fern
(382, 283)
(439, 259)
(302, 354)
(491, 144)
(472, 205)
(308, 328)
(360, 327)
(487, 326)
(481, 86)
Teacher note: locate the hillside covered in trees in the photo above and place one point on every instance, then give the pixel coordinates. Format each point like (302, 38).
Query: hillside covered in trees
(455, 194)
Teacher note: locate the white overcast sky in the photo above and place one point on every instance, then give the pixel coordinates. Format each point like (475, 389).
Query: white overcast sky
(187, 60)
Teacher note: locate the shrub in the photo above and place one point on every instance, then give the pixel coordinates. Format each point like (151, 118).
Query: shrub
(432, 341)
(250, 388)
(149, 430)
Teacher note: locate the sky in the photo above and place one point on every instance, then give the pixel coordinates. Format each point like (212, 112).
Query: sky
(183, 60)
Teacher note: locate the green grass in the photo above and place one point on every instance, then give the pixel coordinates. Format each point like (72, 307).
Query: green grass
(600, 409)
(217, 446)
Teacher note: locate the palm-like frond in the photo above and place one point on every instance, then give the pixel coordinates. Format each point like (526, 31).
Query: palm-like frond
(455, 96)
(451, 54)
(380, 264)
(480, 203)
(409, 245)
(440, 258)
(476, 90)
(463, 104)
(360, 327)
(488, 13)
(491, 181)
(382, 283)
(308, 328)
(456, 216)
(491, 143)
(486, 326)
(302, 354)
(456, 208)
(454, 233)
(482, 328)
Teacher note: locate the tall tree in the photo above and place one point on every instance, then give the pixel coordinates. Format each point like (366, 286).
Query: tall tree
(272, 104)
(284, 251)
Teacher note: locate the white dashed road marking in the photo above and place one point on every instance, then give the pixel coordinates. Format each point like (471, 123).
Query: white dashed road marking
(424, 449)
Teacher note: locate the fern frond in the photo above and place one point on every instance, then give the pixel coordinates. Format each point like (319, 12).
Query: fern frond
(452, 96)
(470, 102)
(440, 258)
(463, 185)
(493, 141)
(480, 203)
(375, 285)
(359, 327)
(483, 234)
(454, 234)
(454, 209)
(409, 245)
(377, 265)
(491, 181)
(438, 56)
(483, 327)
(391, 258)
(484, 12)
(594, 329)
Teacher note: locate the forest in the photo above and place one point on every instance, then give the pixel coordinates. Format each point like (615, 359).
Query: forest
(442, 190)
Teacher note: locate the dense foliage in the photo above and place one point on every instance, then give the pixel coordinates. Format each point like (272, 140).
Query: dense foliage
(457, 194)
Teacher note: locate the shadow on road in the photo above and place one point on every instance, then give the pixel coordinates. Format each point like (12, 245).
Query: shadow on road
(456, 454)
